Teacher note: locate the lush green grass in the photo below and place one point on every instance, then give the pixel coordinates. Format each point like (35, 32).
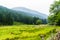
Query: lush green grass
(25, 32)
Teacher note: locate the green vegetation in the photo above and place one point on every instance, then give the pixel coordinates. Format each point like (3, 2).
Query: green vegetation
(9, 16)
(54, 17)
(38, 22)
(25, 32)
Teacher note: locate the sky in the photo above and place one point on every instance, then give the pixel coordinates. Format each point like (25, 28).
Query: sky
(38, 5)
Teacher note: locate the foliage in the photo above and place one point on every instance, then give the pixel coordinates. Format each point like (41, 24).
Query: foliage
(5, 16)
(19, 23)
(38, 22)
(54, 17)
(9, 16)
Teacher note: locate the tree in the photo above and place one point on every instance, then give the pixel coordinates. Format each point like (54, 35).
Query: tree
(9, 19)
(35, 19)
(55, 7)
(54, 17)
(38, 22)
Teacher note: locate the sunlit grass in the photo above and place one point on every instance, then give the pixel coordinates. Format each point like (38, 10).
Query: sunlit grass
(22, 32)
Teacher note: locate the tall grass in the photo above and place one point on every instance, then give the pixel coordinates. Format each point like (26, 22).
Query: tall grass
(24, 32)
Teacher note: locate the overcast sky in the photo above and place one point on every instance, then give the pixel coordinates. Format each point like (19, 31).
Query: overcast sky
(38, 5)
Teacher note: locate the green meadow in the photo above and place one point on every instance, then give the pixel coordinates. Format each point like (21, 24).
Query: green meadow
(26, 32)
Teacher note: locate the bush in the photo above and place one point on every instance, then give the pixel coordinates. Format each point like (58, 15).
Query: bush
(38, 22)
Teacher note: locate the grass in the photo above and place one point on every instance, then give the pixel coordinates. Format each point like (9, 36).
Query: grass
(25, 32)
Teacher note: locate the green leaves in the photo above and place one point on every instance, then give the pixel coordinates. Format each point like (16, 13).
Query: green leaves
(55, 9)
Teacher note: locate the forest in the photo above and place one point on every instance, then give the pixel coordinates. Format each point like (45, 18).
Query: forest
(9, 16)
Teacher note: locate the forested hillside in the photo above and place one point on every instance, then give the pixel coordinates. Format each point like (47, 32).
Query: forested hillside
(9, 16)
(30, 12)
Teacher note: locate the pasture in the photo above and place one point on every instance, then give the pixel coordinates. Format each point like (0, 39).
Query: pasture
(27, 32)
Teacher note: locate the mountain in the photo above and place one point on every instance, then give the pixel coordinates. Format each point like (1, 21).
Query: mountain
(24, 15)
(29, 12)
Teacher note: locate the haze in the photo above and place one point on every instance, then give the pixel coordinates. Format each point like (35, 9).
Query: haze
(38, 5)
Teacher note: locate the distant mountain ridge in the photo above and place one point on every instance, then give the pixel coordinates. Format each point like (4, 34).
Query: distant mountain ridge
(30, 12)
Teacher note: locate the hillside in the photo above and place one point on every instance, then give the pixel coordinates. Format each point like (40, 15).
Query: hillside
(9, 16)
(31, 12)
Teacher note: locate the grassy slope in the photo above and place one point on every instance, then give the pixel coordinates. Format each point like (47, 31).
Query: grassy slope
(24, 32)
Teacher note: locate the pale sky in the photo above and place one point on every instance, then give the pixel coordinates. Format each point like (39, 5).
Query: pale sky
(38, 5)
